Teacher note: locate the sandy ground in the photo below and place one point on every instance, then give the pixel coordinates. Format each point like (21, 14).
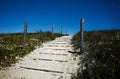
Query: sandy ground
(52, 61)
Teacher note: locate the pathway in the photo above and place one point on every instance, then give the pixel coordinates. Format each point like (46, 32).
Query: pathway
(52, 61)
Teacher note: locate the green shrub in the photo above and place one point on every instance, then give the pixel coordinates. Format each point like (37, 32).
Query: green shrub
(104, 49)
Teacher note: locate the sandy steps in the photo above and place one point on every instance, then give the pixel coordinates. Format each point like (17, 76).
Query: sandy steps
(52, 61)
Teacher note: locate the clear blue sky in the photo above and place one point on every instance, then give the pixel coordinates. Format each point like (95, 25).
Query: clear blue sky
(40, 14)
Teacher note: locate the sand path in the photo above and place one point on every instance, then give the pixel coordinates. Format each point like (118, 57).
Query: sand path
(52, 61)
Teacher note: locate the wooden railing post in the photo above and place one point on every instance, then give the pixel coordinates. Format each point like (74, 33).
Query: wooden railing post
(82, 34)
(85, 60)
(25, 34)
(82, 44)
(52, 29)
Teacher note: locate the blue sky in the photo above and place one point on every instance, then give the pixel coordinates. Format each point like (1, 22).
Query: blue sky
(40, 14)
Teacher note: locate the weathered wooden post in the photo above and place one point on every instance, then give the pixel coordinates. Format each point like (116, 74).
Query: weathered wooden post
(25, 34)
(85, 60)
(52, 29)
(82, 34)
(82, 43)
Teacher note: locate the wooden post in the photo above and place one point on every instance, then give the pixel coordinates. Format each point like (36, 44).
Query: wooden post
(82, 34)
(52, 29)
(25, 34)
(82, 44)
(85, 59)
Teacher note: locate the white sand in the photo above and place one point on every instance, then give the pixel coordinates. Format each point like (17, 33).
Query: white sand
(52, 61)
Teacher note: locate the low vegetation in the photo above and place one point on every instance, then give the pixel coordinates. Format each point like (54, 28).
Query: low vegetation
(11, 45)
(104, 53)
